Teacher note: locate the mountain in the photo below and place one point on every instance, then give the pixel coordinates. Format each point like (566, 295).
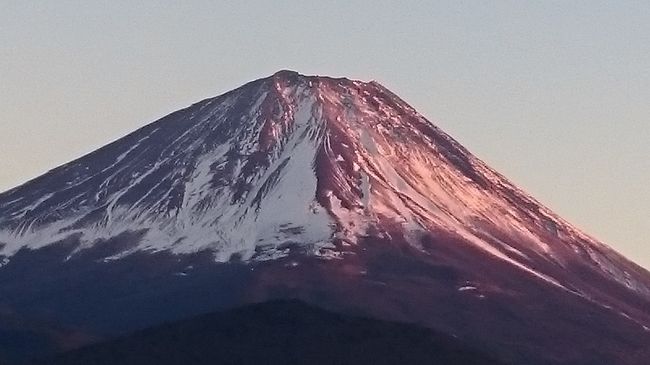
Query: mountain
(333, 191)
(281, 332)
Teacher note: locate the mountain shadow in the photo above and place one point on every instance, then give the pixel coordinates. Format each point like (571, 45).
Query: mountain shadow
(278, 332)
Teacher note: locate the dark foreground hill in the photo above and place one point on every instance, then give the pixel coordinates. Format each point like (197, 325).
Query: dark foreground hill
(278, 332)
(22, 338)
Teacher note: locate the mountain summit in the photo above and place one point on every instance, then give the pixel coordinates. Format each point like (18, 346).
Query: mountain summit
(338, 192)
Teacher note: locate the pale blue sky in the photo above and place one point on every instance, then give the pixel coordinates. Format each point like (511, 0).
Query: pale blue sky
(554, 94)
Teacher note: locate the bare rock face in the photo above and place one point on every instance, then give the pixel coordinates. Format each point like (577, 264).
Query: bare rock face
(331, 190)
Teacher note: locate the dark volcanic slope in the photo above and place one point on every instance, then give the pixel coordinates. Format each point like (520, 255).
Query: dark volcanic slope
(280, 332)
(22, 338)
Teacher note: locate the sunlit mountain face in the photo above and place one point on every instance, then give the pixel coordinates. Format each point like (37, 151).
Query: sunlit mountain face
(330, 190)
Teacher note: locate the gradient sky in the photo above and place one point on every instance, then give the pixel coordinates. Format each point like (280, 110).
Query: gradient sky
(554, 94)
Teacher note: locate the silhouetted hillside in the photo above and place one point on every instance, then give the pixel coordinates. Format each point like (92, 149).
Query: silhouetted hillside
(22, 339)
(279, 332)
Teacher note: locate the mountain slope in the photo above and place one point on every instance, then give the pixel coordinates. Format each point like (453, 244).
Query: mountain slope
(278, 333)
(331, 190)
(21, 338)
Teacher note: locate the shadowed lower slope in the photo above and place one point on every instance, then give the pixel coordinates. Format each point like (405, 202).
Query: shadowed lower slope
(278, 332)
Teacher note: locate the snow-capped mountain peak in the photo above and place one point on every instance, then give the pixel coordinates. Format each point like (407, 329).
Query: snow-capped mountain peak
(290, 162)
(326, 188)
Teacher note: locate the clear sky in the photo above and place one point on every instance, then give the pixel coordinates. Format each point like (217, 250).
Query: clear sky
(554, 94)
